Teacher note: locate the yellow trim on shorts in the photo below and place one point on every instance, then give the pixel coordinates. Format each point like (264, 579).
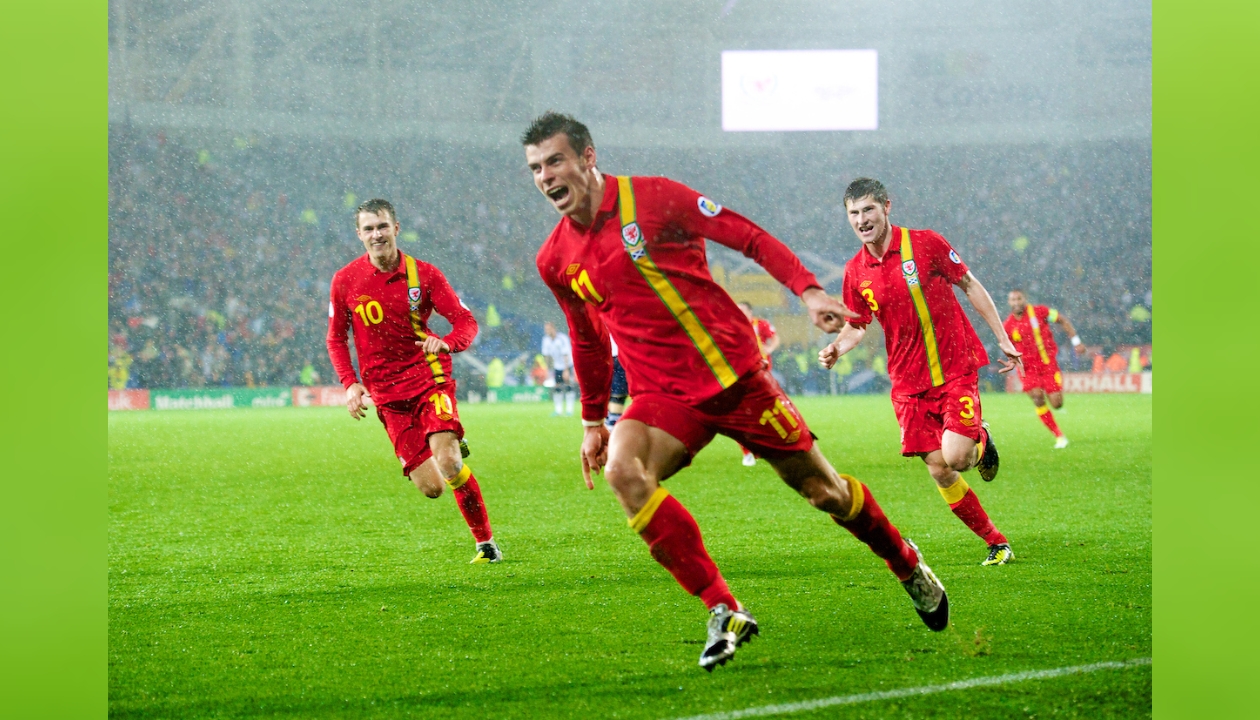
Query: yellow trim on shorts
(669, 294)
(642, 518)
(460, 478)
(954, 493)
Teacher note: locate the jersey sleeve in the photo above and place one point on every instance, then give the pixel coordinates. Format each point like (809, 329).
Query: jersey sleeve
(697, 214)
(853, 299)
(767, 330)
(338, 336)
(1052, 315)
(589, 345)
(449, 306)
(943, 258)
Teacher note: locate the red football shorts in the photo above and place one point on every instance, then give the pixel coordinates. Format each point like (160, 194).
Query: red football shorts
(924, 417)
(411, 422)
(755, 412)
(1047, 377)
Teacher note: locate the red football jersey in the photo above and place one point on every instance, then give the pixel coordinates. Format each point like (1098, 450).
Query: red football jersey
(640, 273)
(927, 346)
(376, 304)
(1031, 333)
(764, 331)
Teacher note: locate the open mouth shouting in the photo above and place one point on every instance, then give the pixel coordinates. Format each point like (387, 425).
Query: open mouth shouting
(560, 196)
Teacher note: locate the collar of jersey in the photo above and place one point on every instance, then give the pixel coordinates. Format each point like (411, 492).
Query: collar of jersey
(893, 247)
(607, 208)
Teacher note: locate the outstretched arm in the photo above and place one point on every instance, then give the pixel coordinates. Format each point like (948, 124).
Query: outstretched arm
(983, 303)
(1071, 333)
(849, 337)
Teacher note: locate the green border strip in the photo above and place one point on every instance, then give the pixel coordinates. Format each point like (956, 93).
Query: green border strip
(53, 198)
(1206, 150)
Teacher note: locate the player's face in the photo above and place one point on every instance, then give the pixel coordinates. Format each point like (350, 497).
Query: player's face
(562, 174)
(379, 234)
(869, 218)
(747, 312)
(1016, 301)
(549, 330)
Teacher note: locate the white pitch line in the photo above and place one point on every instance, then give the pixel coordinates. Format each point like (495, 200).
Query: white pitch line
(807, 705)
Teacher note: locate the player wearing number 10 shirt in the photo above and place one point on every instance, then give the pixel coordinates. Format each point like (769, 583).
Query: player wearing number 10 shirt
(905, 278)
(387, 298)
(627, 259)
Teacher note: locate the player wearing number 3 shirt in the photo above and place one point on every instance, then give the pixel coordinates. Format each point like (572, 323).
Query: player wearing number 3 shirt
(905, 278)
(628, 260)
(387, 298)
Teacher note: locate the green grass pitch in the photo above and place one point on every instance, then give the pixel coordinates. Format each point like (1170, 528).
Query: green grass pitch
(275, 563)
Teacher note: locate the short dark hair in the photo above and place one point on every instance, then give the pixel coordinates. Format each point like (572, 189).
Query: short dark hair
(864, 186)
(553, 123)
(745, 303)
(375, 206)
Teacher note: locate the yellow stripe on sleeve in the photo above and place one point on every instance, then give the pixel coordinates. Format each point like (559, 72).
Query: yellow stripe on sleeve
(642, 518)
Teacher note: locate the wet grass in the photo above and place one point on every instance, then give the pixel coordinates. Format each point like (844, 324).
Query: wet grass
(274, 563)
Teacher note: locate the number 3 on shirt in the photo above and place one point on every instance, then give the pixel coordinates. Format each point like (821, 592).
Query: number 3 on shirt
(870, 299)
(969, 407)
(371, 313)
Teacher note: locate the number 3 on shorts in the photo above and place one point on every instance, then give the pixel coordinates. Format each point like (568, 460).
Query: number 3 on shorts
(442, 405)
(969, 407)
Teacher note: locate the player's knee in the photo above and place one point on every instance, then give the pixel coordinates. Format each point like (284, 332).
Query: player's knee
(1056, 401)
(450, 467)
(624, 474)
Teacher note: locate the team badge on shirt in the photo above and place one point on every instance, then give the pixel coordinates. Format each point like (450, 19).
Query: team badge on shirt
(908, 268)
(413, 294)
(631, 235)
(708, 208)
(953, 256)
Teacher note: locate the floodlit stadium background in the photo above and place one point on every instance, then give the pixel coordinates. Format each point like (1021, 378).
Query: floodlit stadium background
(241, 134)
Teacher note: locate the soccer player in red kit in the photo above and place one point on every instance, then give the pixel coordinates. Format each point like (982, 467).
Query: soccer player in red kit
(905, 278)
(388, 297)
(627, 259)
(1028, 326)
(767, 343)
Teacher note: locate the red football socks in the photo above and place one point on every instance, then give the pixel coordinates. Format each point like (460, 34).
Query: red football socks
(468, 497)
(969, 510)
(1047, 417)
(674, 539)
(872, 527)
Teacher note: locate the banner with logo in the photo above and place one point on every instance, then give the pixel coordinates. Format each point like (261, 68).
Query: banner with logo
(221, 398)
(128, 399)
(1094, 383)
(326, 395)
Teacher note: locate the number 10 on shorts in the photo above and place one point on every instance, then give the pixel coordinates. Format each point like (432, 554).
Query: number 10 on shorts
(442, 405)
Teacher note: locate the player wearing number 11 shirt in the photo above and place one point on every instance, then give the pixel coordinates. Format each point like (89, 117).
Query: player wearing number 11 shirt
(905, 278)
(387, 298)
(627, 259)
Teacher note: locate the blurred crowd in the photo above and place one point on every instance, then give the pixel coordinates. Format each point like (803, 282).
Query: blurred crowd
(220, 259)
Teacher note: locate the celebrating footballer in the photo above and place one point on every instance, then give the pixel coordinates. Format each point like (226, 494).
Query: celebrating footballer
(387, 297)
(905, 279)
(627, 260)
